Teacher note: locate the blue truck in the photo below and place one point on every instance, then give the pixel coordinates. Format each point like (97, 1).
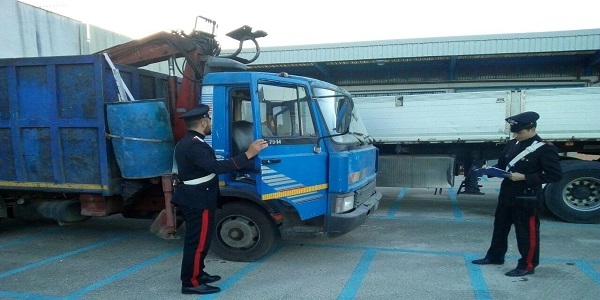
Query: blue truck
(75, 146)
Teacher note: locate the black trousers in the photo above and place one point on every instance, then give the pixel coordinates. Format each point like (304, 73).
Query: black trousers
(527, 229)
(198, 235)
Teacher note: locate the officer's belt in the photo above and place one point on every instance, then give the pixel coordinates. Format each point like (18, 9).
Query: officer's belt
(199, 180)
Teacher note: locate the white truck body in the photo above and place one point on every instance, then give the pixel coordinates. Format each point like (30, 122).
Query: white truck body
(566, 114)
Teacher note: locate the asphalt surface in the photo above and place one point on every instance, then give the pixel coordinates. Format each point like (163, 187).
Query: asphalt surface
(417, 245)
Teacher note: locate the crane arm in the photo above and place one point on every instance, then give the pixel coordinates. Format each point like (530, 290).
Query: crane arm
(154, 48)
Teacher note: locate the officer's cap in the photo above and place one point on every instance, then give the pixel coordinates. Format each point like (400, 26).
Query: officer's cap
(197, 113)
(525, 120)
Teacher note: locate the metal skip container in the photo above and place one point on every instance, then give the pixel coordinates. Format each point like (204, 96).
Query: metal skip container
(141, 136)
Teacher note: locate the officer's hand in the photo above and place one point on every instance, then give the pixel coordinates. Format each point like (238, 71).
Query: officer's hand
(515, 176)
(256, 147)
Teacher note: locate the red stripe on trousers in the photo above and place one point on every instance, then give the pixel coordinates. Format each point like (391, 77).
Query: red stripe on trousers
(200, 248)
(532, 243)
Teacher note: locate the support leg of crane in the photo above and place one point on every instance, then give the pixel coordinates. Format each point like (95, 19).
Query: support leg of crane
(164, 225)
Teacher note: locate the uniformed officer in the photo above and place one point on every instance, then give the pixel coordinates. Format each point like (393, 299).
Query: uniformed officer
(197, 194)
(530, 162)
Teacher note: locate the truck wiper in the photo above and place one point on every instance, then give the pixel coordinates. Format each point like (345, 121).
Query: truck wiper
(356, 135)
(365, 137)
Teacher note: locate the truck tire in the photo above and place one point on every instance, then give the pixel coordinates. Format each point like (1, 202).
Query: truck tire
(576, 197)
(243, 232)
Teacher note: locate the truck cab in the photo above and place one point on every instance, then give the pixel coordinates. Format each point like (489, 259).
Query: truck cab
(317, 177)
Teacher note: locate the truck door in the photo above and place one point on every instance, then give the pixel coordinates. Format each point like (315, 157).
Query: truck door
(289, 168)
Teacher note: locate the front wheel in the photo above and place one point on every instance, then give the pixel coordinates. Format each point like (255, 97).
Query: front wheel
(243, 232)
(576, 198)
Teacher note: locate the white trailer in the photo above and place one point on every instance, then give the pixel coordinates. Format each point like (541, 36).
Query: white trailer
(425, 138)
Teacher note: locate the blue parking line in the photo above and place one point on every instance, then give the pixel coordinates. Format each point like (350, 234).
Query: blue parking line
(239, 275)
(353, 284)
(478, 284)
(123, 273)
(455, 208)
(587, 269)
(394, 208)
(58, 257)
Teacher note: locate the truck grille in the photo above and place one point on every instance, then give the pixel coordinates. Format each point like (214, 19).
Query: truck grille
(361, 195)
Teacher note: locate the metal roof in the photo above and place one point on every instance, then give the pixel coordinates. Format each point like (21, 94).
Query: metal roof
(562, 56)
(559, 41)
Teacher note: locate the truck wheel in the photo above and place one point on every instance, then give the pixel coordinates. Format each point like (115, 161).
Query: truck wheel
(243, 232)
(575, 198)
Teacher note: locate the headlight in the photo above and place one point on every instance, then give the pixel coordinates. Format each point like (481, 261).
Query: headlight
(344, 204)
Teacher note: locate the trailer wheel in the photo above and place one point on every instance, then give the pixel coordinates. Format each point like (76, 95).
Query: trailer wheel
(243, 232)
(575, 198)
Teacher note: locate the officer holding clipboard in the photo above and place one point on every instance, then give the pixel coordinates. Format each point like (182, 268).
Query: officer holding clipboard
(528, 162)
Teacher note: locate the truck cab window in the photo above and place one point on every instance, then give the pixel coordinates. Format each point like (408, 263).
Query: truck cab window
(241, 123)
(333, 104)
(241, 106)
(285, 111)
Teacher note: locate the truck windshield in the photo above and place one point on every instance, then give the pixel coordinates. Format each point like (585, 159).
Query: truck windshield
(330, 103)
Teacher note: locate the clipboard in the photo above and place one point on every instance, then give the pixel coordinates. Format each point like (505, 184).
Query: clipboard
(492, 172)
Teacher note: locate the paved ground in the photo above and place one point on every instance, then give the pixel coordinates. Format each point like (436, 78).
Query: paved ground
(417, 246)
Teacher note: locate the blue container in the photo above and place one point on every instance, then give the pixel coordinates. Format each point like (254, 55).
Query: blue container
(141, 136)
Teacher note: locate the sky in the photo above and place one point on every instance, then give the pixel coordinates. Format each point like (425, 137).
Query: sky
(331, 21)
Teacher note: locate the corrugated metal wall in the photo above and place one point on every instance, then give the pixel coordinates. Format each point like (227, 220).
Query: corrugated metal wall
(28, 31)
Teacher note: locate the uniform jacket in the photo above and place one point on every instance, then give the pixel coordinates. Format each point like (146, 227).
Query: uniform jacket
(539, 167)
(196, 159)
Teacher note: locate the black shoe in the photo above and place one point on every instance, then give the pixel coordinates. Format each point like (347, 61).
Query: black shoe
(205, 278)
(201, 289)
(519, 272)
(485, 261)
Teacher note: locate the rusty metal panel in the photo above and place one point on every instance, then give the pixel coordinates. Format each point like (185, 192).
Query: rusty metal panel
(76, 100)
(80, 154)
(37, 155)
(53, 123)
(7, 163)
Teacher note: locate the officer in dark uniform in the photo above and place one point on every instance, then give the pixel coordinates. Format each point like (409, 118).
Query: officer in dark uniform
(530, 162)
(197, 194)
